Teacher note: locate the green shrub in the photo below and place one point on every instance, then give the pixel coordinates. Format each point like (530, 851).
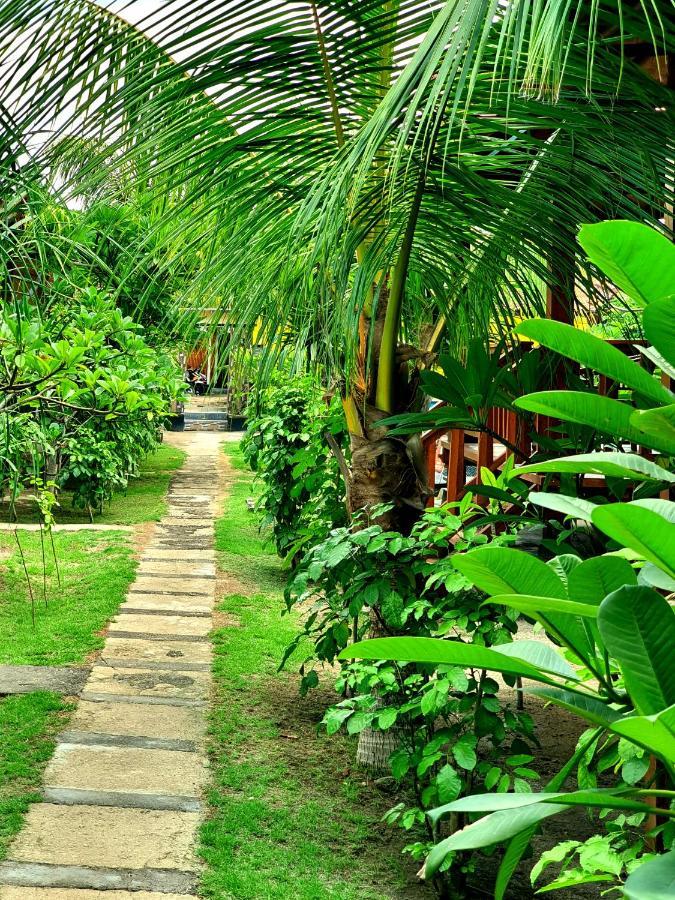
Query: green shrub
(83, 396)
(303, 493)
(448, 733)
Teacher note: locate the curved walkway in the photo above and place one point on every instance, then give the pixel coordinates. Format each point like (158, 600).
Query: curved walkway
(122, 795)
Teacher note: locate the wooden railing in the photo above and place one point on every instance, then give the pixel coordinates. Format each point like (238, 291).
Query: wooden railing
(461, 454)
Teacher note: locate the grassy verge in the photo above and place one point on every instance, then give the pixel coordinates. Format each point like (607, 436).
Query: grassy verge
(28, 725)
(287, 820)
(56, 616)
(142, 501)
(95, 571)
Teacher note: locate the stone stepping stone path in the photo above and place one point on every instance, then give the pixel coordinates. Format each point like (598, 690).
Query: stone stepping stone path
(122, 796)
(26, 679)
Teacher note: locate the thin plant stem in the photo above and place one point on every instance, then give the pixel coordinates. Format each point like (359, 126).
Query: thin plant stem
(28, 582)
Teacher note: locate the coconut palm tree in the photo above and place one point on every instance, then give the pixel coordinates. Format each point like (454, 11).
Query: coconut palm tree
(368, 179)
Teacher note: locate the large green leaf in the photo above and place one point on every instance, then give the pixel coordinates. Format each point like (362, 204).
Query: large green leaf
(658, 424)
(590, 708)
(662, 507)
(637, 626)
(440, 652)
(652, 354)
(495, 802)
(637, 258)
(568, 622)
(657, 578)
(613, 417)
(492, 829)
(501, 570)
(540, 654)
(576, 507)
(613, 464)
(596, 354)
(596, 577)
(659, 325)
(653, 880)
(516, 812)
(656, 733)
(641, 529)
(540, 606)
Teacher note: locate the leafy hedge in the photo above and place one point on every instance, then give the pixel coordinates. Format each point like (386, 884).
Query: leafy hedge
(83, 397)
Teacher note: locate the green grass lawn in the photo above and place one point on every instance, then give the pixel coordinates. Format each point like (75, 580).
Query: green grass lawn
(56, 617)
(142, 501)
(95, 568)
(287, 819)
(28, 724)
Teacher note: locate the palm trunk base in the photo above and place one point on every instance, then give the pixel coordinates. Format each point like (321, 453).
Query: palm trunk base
(383, 471)
(374, 749)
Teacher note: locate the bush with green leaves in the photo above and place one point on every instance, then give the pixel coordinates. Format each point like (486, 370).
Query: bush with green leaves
(83, 395)
(303, 493)
(607, 614)
(448, 732)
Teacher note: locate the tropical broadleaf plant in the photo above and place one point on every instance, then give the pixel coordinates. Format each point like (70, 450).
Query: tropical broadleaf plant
(629, 634)
(362, 180)
(627, 251)
(619, 633)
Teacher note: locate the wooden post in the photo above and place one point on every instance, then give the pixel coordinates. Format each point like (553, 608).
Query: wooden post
(456, 470)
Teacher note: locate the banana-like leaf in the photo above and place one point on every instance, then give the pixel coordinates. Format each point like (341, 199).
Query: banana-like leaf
(640, 529)
(492, 829)
(638, 259)
(613, 417)
(656, 733)
(663, 508)
(495, 802)
(513, 575)
(592, 351)
(440, 652)
(659, 361)
(653, 880)
(502, 570)
(540, 606)
(659, 324)
(590, 708)
(515, 812)
(658, 423)
(540, 654)
(576, 507)
(654, 577)
(591, 581)
(610, 463)
(637, 626)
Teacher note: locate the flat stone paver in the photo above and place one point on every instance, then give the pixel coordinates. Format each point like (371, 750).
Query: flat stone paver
(190, 626)
(149, 682)
(177, 568)
(153, 552)
(175, 652)
(177, 603)
(127, 769)
(131, 720)
(163, 584)
(123, 792)
(31, 893)
(108, 837)
(25, 679)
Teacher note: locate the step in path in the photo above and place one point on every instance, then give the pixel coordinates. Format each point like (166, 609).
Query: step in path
(122, 797)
